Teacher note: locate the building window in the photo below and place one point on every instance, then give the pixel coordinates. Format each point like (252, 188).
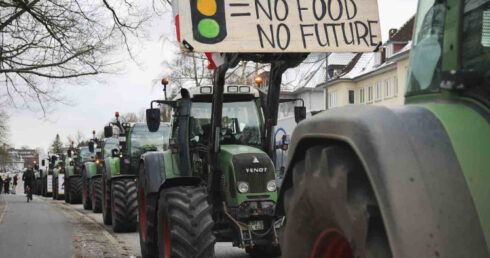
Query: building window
(379, 91)
(395, 86)
(361, 95)
(332, 99)
(351, 97)
(370, 93)
(388, 89)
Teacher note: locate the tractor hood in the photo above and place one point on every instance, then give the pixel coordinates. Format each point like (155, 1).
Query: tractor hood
(251, 165)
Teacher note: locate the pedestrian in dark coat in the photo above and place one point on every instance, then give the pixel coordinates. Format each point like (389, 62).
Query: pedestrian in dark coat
(1, 184)
(6, 185)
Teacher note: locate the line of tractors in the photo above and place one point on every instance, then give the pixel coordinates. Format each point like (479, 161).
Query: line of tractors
(360, 181)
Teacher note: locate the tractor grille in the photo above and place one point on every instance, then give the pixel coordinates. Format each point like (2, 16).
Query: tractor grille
(255, 169)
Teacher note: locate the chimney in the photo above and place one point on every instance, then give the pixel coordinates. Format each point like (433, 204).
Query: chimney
(392, 32)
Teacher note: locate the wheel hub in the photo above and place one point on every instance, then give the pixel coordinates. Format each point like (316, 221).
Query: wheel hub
(331, 243)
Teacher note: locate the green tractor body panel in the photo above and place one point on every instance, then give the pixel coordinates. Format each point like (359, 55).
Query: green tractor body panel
(70, 171)
(91, 169)
(470, 136)
(56, 172)
(225, 160)
(114, 166)
(171, 164)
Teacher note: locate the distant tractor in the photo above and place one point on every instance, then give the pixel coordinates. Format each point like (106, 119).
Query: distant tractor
(57, 179)
(47, 176)
(120, 201)
(92, 177)
(74, 177)
(411, 181)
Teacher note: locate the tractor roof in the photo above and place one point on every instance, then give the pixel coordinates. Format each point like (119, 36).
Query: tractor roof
(236, 90)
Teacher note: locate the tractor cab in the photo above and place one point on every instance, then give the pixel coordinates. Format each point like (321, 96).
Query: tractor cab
(452, 60)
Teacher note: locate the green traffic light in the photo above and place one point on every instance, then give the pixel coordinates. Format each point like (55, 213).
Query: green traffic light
(208, 28)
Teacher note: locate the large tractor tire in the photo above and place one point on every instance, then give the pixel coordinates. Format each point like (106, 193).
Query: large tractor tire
(75, 190)
(331, 209)
(124, 205)
(184, 223)
(96, 195)
(67, 190)
(86, 200)
(54, 186)
(147, 212)
(106, 202)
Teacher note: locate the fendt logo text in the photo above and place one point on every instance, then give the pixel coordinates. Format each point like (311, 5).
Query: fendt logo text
(256, 170)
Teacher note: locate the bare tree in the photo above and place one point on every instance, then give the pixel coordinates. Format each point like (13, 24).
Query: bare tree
(79, 138)
(4, 128)
(42, 41)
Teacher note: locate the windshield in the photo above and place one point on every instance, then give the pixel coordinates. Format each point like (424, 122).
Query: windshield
(109, 145)
(240, 123)
(85, 154)
(425, 69)
(143, 140)
(476, 38)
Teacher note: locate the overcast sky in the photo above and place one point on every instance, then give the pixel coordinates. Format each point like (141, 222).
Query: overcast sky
(93, 104)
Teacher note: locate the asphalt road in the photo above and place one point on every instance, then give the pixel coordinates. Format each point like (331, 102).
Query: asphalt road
(48, 228)
(33, 229)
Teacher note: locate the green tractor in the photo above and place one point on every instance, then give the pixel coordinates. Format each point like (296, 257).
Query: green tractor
(58, 179)
(120, 201)
(47, 175)
(73, 177)
(216, 182)
(92, 177)
(411, 181)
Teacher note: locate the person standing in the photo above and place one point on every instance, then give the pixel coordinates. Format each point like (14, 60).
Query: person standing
(14, 185)
(1, 184)
(6, 185)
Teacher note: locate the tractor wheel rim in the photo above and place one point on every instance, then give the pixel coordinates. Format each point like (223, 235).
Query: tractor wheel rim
(142, 205)
(166, 238)
(331, 243)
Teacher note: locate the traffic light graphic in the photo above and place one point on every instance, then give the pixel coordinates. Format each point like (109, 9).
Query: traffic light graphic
(208, 21)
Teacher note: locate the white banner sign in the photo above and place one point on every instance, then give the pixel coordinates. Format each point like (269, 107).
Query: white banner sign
(50, 184)
(279, 25)
(61, 184)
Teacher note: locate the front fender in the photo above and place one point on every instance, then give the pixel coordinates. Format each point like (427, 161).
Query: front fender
(425, 202)
(154, 173)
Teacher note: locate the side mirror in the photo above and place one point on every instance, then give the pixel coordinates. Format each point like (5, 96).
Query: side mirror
(299, 114)
(108, 131)
(153, 119)
(54, 158)
(43, 162)
(114, 153)
(91, 147)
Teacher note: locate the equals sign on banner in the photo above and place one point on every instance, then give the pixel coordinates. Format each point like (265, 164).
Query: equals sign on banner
(238, 9)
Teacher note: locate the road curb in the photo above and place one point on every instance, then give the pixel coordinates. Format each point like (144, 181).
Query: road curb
(3, 204)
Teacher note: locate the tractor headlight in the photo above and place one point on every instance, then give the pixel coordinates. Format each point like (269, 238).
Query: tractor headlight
(243, 187)
(271, 186)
